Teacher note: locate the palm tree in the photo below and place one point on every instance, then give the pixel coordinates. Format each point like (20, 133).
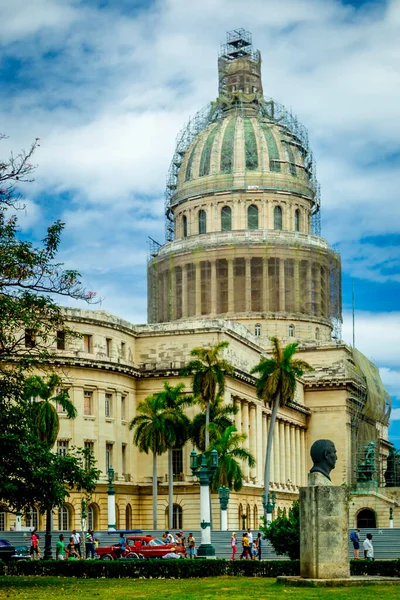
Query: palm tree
(220, 417)
(276, 386)
(46, 421)
(151, 435)
(229, 472)
(208, 377)
(177, 424)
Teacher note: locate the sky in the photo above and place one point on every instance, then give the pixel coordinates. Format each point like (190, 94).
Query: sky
(107, 86)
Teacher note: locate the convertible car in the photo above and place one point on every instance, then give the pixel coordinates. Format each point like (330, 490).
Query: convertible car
(139, 546)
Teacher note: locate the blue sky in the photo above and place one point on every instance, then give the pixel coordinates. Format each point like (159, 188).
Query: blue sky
(106, 86)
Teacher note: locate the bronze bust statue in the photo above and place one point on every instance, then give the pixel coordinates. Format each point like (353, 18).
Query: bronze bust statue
(324, 457)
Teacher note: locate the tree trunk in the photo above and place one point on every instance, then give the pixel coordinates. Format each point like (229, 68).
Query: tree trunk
(268, 450)
(155, 491)
(170, 490)
(47, 540)
(207, 433)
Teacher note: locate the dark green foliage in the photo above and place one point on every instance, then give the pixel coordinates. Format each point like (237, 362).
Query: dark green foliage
(168, 569)
(30, 473)
(284, 533)
(383, 568)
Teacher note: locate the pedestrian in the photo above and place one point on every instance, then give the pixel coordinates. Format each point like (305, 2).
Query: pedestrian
(250, 537)
(72, 552)
(368, 547)
(355, 538)
(89, 546)
(192, 545)
(257, 546)
(77, 541)
(60, 548)
(233, 544)
(34, 549)
(245, 546)
(122, 546)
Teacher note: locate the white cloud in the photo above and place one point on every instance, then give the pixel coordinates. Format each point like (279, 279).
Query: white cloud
(395, 415)
(377, 335)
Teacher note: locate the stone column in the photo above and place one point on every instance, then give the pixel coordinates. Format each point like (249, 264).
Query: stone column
(293, 455)
(272, 462)
(245, 415)
(277, 477)
(281, 285)
(198, 288)
(247, 291)
(184, 292)
(303, 457)
(213, 287)
(297, 290)
(298, 458)
(282, 461)
(238, 416)
(231, 287)
(253, 437)
(308, 291)
(265, 285)
(288, 454)
(260, 444)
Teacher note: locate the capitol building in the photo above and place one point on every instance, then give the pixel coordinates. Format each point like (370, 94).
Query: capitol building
(243, 260)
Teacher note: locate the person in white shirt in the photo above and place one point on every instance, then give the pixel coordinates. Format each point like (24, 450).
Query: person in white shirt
(368, 547)
(77, 541)
(250, 536)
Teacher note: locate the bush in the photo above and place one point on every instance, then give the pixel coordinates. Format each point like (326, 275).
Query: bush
(168, 569)
(384, 568)
(284, 533)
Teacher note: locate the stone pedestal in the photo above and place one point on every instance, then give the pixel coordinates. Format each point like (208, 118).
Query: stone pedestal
(324, 532)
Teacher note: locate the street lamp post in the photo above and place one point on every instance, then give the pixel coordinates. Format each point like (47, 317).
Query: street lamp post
(391, 518)
(111, 500)
(269, 506)
(223, 495)
(205, 473)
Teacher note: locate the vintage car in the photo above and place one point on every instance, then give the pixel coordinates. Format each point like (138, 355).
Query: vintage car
(6, 550)
(139, 546)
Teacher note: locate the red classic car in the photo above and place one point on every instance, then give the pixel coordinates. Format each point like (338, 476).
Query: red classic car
(139, 546)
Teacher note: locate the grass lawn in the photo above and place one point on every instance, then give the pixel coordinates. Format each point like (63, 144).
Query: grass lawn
(237, 588)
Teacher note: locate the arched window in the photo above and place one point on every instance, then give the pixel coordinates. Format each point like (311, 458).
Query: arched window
(32, 518)
(257, 329)
(366, 519)
(202, 221)
(240, 513)
(226, 218)
(297, 219)
(277, 217)
(184, 225)
(128, 516)
(317, 333)
(93, 516)
(63, 518)
(117, 516)
(255, 513)
(177, 520)
(252, 217)
(291, 330)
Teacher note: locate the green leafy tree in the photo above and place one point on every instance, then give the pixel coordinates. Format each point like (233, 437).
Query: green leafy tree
(30, 280)
(220, 417)
(231, 457)
(276, 385)
(208, 372)
(151, 434)
(174, 401)
(284, 533)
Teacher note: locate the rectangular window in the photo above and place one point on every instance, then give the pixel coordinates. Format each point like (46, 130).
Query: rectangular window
(88, 343)
(62, 447)
(60, 340)
(177, 462)
(87, 403)
(123, 408)
(60, 409)
(123, 350)
(89, 446)
(108, 346)
(109, 448)
(108, 405)
(124, 458)
(30, 338)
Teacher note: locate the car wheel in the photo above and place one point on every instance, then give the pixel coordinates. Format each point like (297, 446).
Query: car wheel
(132, 555)
(106, 557)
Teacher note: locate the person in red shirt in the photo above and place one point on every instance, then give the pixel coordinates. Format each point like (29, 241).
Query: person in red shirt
(34, 551)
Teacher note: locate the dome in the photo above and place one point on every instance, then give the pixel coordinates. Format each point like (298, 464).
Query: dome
(244, 151)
